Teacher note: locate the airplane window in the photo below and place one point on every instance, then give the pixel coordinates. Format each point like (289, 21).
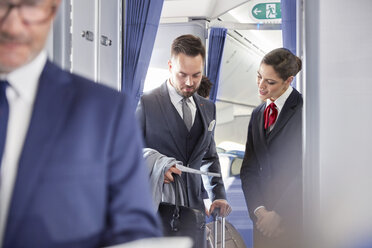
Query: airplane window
(235, 167)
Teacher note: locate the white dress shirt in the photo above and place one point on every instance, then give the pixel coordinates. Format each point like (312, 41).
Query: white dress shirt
(279, 102)
(176, 100)
(21, 92)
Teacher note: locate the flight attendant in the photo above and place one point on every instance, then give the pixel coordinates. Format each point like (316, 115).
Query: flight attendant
(272, 171)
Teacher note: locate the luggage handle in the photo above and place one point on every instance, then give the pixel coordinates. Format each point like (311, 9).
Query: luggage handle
(215, 215)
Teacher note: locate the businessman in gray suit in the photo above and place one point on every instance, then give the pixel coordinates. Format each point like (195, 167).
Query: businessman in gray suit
(180, 124)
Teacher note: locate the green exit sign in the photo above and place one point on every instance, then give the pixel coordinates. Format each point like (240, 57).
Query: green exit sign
(267, 11)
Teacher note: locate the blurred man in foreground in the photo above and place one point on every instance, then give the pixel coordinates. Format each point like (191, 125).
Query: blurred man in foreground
(70, 150)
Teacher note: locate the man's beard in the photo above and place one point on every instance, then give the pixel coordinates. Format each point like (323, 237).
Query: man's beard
(187, 94)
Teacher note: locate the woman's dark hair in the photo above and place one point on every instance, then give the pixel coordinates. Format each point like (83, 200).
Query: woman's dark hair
(284, 62)
(188, 44)
(205, 87)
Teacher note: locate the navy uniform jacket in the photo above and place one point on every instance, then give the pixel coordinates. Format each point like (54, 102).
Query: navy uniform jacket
(162, 129)
(271, 172)
(81, 180)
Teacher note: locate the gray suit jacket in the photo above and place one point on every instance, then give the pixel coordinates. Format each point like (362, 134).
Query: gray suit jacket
(161, 130)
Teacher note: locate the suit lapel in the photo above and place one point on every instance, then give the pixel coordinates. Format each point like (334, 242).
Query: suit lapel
(285, 115)
(262, 150)
(197, 150)
(167, 108)
(50, 110)
(261, 128)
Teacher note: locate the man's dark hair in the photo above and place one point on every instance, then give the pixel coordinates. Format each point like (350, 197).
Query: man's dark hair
(188, 44)
(205, 87)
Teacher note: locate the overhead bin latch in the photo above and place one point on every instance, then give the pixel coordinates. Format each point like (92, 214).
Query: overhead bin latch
(88, 35)
(105, 41)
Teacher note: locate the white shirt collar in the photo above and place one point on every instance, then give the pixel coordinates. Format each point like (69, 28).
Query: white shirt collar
(21, 94)
(280, 101)
(25, 80)
(175, 97)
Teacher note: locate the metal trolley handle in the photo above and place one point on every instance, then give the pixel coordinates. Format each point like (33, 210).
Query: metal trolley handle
(215, 217)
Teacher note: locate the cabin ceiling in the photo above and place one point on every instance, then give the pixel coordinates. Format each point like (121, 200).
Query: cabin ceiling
(232, 14)
(209, 9)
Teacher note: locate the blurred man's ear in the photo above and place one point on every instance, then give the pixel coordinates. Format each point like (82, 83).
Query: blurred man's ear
(57, 3)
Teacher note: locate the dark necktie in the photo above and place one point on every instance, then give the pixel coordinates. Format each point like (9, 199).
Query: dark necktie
(186, 111)
(270, 115)
(4, 113)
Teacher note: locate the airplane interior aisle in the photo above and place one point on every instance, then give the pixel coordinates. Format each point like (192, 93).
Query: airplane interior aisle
(239, 216)
(237, 95)
(127, 47)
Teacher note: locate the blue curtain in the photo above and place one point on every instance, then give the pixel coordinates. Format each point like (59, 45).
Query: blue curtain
(289, 26)
(140, 28)
(217, 38)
